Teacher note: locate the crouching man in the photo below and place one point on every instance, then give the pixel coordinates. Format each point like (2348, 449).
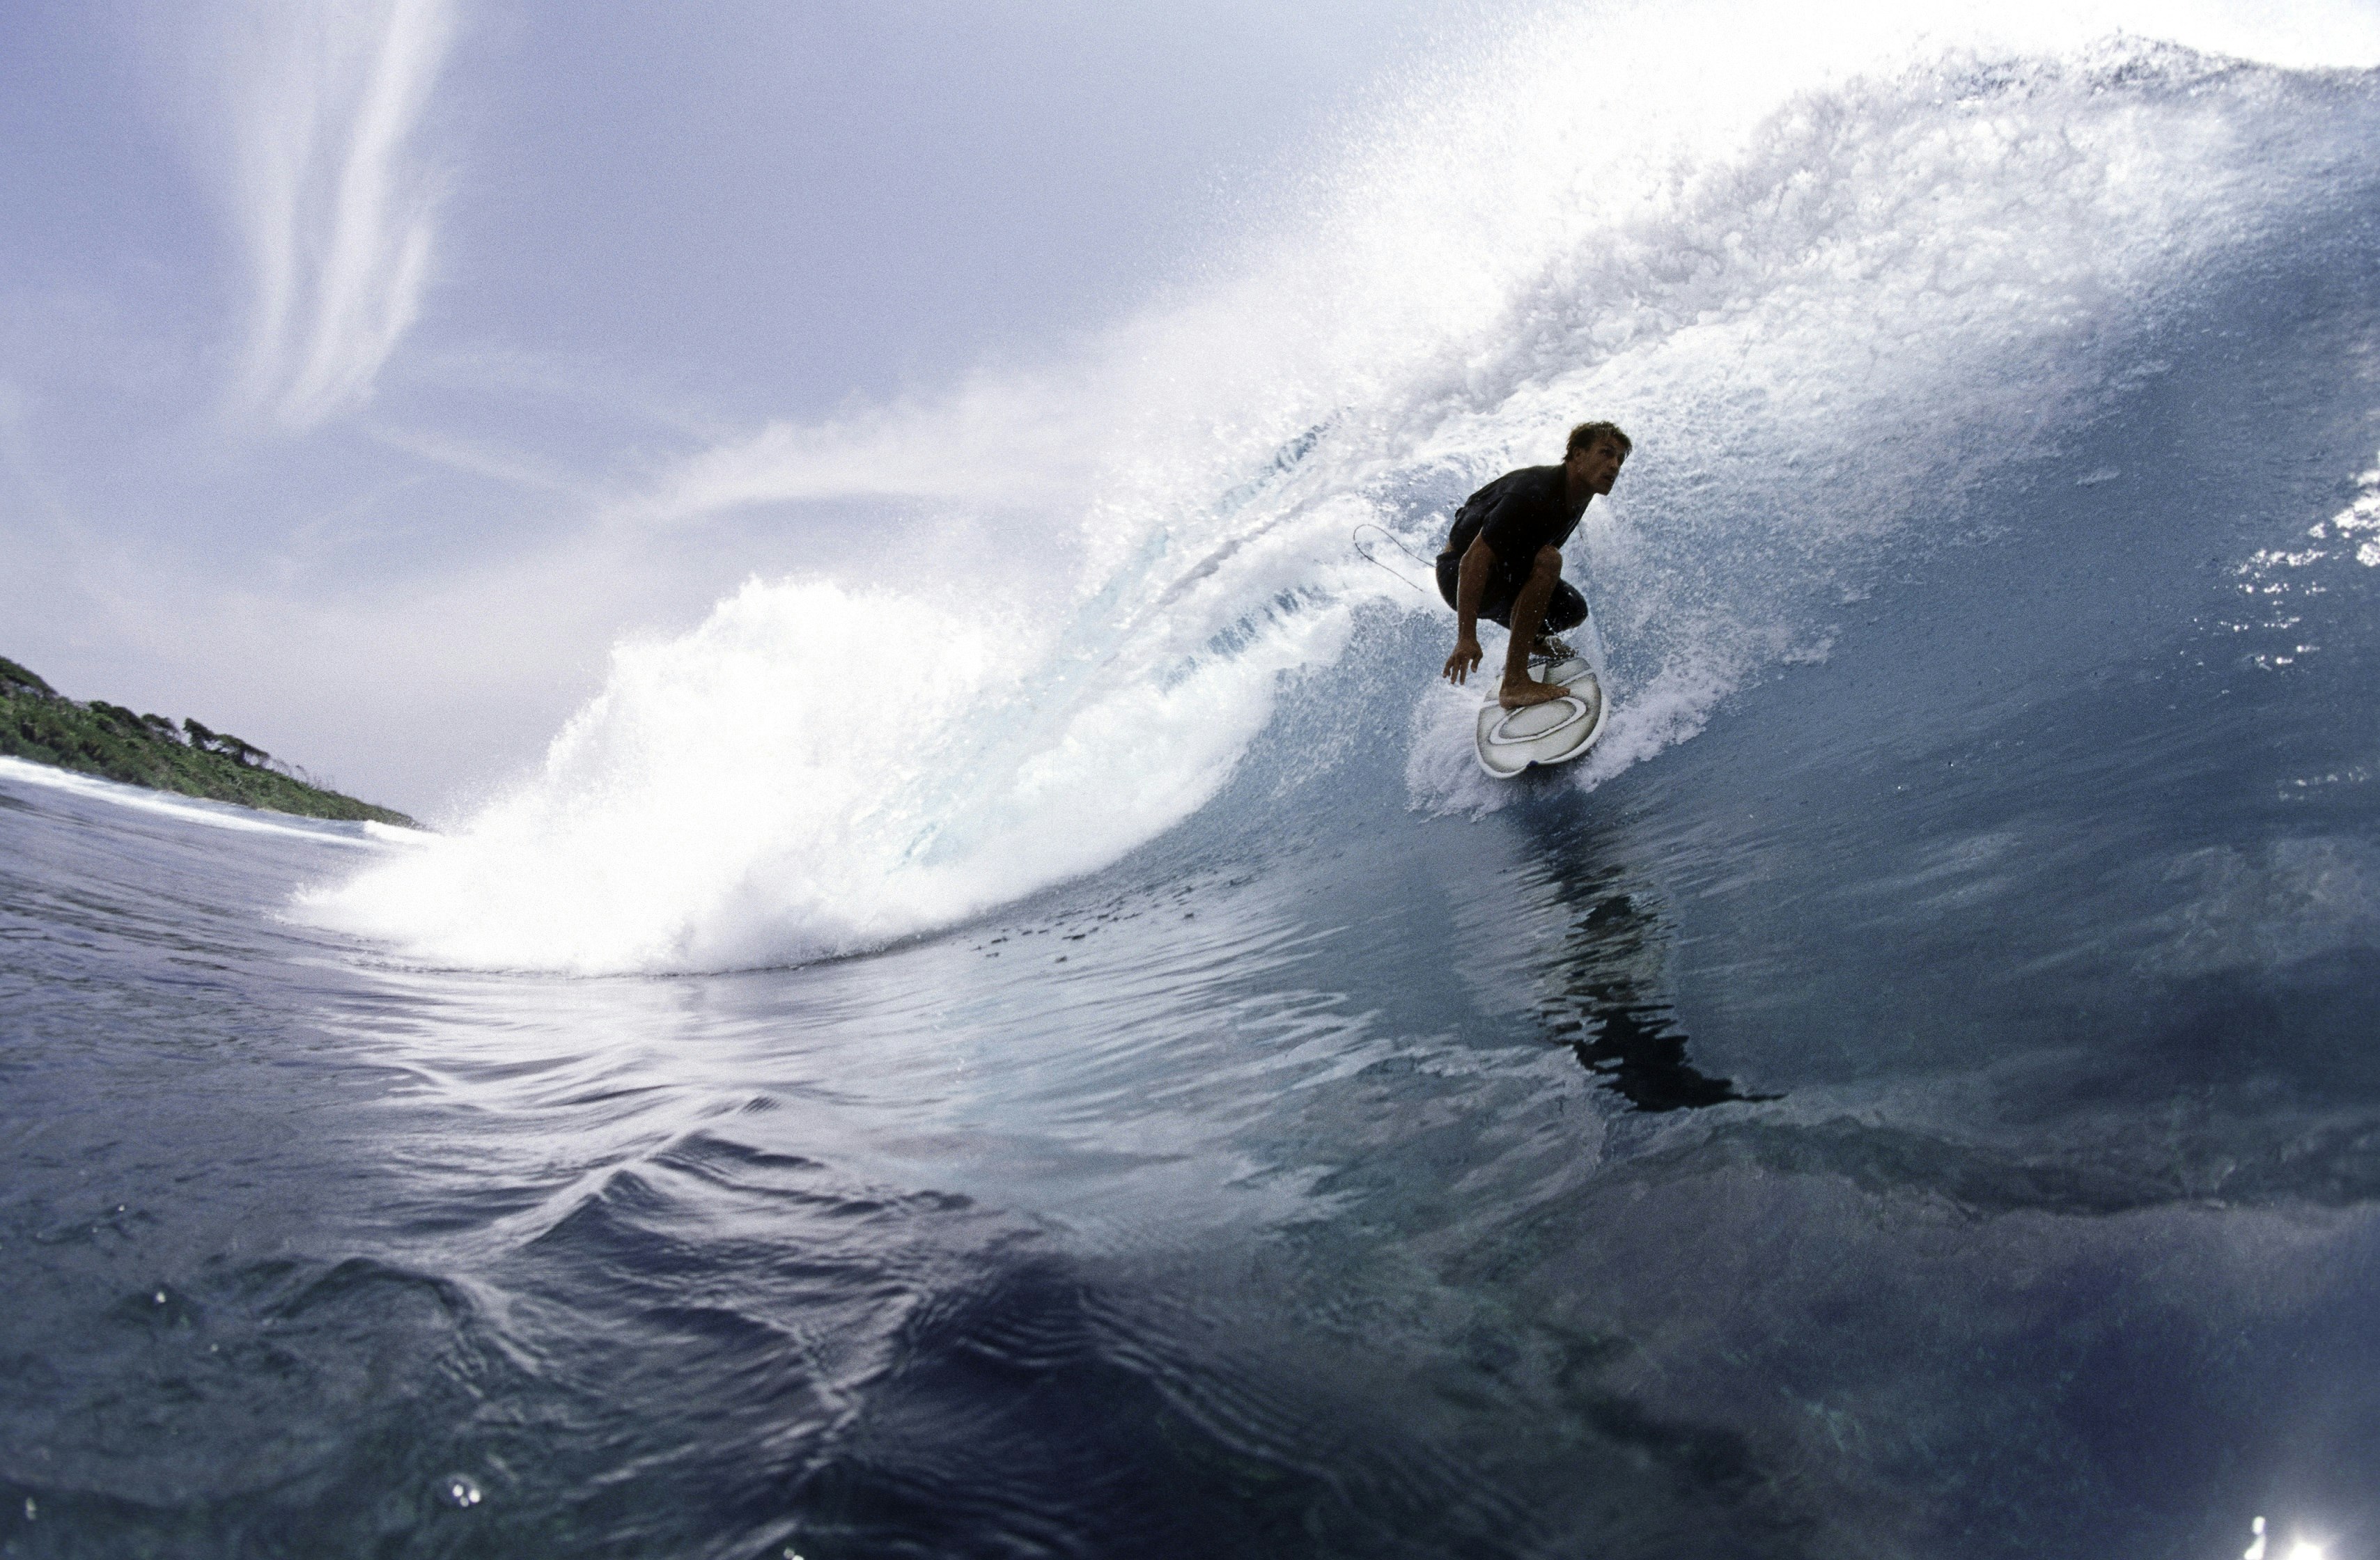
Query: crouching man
(1504, 560)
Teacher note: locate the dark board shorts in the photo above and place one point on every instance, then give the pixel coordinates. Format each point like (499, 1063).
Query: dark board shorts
(1565, 611)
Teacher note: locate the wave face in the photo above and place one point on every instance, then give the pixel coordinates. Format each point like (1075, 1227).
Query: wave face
(1836, 305)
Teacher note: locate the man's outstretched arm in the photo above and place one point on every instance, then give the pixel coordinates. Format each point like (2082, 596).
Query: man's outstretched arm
(1478, 563)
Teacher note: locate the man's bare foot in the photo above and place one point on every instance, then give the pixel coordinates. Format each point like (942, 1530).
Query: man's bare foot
(1519, 693)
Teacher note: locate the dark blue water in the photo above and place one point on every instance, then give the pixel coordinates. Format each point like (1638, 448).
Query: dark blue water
(1935, 1110)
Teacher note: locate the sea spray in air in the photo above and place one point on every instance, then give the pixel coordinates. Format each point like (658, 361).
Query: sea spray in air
(1834, 312)
(749, 794)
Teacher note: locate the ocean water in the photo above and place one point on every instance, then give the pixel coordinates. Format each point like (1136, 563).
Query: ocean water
(1911, 1092)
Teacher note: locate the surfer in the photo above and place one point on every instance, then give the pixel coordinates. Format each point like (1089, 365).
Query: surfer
(1504, 560)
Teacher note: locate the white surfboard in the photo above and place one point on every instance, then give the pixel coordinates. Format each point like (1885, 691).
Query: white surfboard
(1544, 734)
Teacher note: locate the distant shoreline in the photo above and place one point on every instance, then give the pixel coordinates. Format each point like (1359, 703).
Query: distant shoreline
(43, 726)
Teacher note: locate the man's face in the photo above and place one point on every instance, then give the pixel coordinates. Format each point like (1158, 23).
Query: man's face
(1596, 465)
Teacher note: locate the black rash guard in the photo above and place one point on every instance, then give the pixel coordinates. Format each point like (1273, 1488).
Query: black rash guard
(1517, 513)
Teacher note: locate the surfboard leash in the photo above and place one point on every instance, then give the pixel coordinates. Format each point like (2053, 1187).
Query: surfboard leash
(1363, 551)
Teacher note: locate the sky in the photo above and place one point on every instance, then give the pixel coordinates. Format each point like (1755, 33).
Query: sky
(353, 353)
(371, 368)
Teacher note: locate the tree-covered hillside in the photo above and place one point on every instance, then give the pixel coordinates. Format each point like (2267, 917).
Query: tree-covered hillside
(38, 723)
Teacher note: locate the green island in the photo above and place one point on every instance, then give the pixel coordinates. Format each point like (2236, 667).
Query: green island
(38, 723)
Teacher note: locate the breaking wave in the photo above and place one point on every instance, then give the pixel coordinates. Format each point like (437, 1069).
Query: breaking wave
(1834, 292)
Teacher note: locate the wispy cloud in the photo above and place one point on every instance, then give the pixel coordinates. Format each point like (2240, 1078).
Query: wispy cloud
(994, 441)
(479, 457)
(329, 194)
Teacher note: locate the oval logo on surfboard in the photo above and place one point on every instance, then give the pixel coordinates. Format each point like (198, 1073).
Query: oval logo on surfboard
(1554, 733)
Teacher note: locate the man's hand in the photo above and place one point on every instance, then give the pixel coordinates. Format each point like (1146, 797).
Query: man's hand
(1463, 661)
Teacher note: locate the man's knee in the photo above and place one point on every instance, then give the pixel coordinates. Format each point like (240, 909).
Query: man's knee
(1548, 564)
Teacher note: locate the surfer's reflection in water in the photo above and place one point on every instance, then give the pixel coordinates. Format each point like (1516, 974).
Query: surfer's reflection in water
(1602, 987)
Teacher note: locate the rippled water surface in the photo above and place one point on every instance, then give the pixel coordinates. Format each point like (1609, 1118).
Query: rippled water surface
(1946, 1130)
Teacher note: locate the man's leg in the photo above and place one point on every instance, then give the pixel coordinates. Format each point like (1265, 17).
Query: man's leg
(1564, 610)
(1528, 616)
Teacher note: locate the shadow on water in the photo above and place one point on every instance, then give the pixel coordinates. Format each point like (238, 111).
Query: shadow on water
(1603, 994)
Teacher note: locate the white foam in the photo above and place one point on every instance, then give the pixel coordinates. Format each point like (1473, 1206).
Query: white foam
(1829, 274)
(752, 792)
